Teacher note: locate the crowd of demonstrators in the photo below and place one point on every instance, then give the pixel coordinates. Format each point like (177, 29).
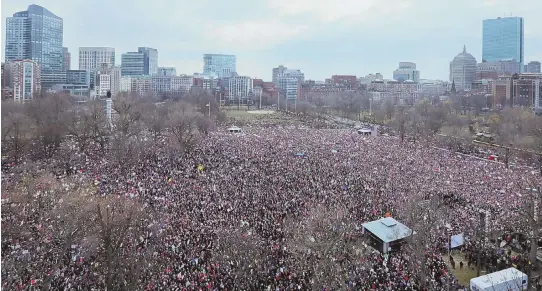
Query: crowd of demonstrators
(256, 182)
(498, 254)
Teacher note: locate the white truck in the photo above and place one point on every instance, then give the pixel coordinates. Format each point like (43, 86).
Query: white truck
(509, 279)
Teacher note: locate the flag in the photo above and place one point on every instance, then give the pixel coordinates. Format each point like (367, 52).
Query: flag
(208, 104)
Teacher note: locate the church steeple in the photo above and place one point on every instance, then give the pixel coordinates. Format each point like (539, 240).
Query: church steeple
(464, 48)
(453, 90)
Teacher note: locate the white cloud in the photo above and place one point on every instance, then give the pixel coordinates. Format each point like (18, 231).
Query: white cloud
(251, 35)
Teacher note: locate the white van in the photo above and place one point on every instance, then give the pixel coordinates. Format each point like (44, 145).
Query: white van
(509, 279)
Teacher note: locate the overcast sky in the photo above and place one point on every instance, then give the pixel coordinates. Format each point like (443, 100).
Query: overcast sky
(322, 38)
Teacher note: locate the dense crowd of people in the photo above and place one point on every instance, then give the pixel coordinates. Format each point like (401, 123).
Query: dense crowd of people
(255, 183)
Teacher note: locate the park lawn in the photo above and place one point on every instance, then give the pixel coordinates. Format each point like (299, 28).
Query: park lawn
(247, 117)
(466, 273)
(239, 114)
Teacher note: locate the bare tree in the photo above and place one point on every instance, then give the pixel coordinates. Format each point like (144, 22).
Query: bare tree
(128, 121)
(425, 120)
(326, 244)
(388, 108)
(16, 130)
(87, 124)
(119, 219)
(400, 122)
(531, 214)
(423, 213)
(348, 103)
(48, 115)
(183, 126)
(99, 125)
(45, 220)
(155, 117)
(125, 151)
(244, 256)
(537, 142)
(204, 124)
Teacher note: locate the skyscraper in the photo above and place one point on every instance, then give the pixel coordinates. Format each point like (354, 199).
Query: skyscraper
(23, 76)
(132, 64)
(278, 71)
(92, 58)
(503, 39)
(108, 79)
(532, 67)
(283, 72)
(240, 88)
(36, 34)
(166, 71)
(220, 66)
(463, 70)
(406, 71)
(66, 59)
(150, 60)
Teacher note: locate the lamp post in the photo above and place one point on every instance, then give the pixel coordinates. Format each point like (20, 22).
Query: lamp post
(278, 100)
(250, 98)
(261, 91)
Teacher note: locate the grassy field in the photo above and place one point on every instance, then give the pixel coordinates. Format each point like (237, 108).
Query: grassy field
(245, 117)
(240, 114)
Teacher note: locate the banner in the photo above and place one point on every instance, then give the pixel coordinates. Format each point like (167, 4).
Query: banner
(457, 240)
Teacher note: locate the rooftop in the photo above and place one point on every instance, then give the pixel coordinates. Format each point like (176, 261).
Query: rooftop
(497, 278)
(388, 229)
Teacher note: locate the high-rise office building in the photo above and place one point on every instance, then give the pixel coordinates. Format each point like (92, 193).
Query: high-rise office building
(66, 59)
(36, 34)
(166, 71)
(150, 60)
(240, 88)
(532, 67)
(278, 71)
(283, 72)
(132, 64)
(92, 58)
(406, 71)
(219, 66)
(296, 74)
(290, 87)
(23, 76)
(139, 84)
(503, 39)
(494, 70)
(78, 77)
(108, 79)
(463, 70)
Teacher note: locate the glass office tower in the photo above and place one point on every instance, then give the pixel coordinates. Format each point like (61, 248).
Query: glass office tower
(36, 34)
(503, 39)
(150, 60)
(218, 65)
(132, 64)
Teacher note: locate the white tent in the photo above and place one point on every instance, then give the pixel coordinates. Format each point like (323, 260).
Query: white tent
(386, 232)
(365, 131)
(234, 129)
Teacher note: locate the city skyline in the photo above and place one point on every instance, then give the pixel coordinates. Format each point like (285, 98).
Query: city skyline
(299, 34)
